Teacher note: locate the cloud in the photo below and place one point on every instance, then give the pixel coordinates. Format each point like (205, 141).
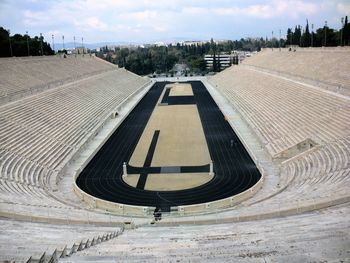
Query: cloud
(343, 8)
(161, 28)
(35, 18)
(192, 10)
(262, 11)
(293, 9)
(149, 19)
(92, 23)
(147, 15)
(271, 9)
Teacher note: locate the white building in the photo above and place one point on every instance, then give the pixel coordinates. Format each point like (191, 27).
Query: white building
(224, 60)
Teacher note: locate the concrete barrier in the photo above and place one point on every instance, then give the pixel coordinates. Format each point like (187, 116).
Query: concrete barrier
(115, 208)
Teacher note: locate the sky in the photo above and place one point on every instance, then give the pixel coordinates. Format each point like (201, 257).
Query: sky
(149, 21)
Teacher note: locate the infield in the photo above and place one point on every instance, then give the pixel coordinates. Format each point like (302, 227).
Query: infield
(181, 142)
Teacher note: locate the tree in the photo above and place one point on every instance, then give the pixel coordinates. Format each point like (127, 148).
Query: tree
(332, 37)
(197, 64)
(214, 63)
(19, 45)
(162, 59)
(4, 43)
(346, 32)
(289, 37)
(213, 52)
(307, 36)
(123, 53)
(297, 35)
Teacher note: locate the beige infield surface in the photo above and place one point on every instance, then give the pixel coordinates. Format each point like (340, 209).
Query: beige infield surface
(170, 182)
(181, 142)
(180, 89)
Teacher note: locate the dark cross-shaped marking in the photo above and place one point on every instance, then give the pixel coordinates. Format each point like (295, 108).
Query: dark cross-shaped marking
(143, 176)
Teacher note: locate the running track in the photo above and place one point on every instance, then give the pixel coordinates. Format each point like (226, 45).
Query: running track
(234, 170)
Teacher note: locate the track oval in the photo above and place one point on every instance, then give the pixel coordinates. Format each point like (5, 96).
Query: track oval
(234, 170)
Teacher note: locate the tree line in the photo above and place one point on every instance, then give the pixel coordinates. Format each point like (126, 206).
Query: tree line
(18, 45)
(324, 36)
(161, 59)
(156, 59)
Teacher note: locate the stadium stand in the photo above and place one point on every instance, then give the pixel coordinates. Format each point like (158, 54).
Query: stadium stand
(290, 113)
(41, 133)
(284, 114)
(313, 237)
(46, 242)
(301, 122)
(324, 67)
(20, 77)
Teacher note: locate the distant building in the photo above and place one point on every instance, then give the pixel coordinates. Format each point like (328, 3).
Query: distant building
(189, 43)
(200, 42)
(80, 50)
(160, 44)
(226, 60)
(223, 60)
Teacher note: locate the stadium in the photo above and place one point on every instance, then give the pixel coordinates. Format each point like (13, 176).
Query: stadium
(248, 165)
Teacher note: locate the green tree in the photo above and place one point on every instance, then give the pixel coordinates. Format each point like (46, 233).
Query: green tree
(289, 37)
(197, 64)
(123, 54)
(213, 52)
(4, 43)
(297, 35)
(346, 32)
(19, 45)
(307, 36)
(162, 59)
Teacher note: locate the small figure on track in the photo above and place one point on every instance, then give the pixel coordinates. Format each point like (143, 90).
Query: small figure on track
(157, 214)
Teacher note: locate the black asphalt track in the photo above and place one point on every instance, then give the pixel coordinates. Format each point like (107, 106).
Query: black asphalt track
(176, 169)
(234, 170)
(176, 100)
